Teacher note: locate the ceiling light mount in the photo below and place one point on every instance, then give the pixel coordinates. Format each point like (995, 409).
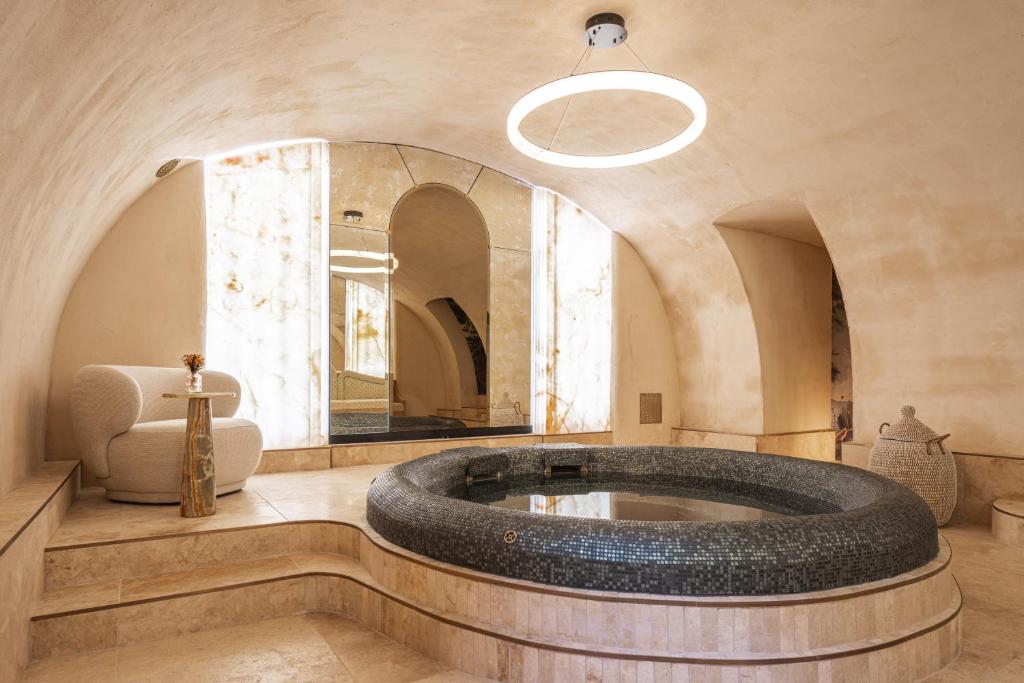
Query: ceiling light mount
(605, 30)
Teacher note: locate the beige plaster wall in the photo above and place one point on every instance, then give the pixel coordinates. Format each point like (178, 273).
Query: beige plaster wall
(712, 330)
(643, 358)
(934, 287)
(789, 289)
(141, 298)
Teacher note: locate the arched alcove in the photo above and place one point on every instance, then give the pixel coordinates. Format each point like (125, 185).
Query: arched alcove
(798, 314)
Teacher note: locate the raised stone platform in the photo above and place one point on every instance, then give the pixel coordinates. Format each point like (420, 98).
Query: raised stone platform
(118, 574)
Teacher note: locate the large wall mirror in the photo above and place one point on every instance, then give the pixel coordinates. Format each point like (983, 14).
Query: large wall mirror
(360, 263)
(429, 317)
(440, 309)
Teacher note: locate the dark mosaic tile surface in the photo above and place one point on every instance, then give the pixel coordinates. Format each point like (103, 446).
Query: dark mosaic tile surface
(850, 526)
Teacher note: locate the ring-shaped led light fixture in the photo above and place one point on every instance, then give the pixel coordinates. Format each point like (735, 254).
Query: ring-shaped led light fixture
(641, 81)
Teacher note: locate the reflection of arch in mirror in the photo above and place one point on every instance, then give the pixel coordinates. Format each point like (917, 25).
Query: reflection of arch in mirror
(465, 341)
(441, 241)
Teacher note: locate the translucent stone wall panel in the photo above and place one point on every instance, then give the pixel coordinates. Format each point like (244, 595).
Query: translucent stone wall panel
(572, 317)
(365, 327)
(266, 290)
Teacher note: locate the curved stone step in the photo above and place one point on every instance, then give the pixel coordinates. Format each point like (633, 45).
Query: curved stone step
(96, 616)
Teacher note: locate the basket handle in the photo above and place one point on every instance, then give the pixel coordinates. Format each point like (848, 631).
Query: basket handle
(938, 444)
(883, 425)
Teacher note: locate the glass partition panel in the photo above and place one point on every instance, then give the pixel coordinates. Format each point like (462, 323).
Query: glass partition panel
(360, 267)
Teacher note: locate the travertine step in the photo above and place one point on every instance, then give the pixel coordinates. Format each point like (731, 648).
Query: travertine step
(117, 613)
(125, 592)
(136, 558)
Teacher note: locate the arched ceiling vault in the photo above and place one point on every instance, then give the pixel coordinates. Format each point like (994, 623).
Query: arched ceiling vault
(897, 123)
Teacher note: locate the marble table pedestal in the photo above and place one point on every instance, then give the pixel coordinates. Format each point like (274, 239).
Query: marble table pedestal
(198, 476)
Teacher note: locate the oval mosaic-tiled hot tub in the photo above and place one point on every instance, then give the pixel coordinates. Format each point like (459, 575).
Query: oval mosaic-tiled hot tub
(767, 525)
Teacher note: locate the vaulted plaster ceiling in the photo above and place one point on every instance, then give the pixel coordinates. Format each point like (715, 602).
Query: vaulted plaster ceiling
(896, 123)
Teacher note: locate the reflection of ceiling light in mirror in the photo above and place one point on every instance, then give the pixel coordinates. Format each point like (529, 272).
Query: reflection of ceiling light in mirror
(608, 80)
(359, 253)
(355, 271)
(390, 260)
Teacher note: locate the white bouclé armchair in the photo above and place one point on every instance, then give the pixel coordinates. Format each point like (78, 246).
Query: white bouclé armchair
(133, 440)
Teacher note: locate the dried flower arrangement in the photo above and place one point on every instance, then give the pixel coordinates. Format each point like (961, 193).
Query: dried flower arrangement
(194, 361)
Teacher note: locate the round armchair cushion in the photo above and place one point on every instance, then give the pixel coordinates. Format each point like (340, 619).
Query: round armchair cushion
(146, 460)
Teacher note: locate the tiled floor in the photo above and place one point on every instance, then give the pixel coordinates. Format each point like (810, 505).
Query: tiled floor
(304, 647)
(326, 647)
(991, 577)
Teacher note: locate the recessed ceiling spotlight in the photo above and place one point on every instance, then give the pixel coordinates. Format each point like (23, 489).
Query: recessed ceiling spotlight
(604, 31)
(167, 167)
(353, 216)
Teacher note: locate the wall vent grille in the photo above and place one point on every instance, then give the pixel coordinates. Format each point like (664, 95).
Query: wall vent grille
(650, 409)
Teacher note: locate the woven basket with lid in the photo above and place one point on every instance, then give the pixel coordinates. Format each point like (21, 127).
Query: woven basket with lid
(912, 454)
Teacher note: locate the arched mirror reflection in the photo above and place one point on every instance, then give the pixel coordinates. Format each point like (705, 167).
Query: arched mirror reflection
(440, 319)
(430, 295)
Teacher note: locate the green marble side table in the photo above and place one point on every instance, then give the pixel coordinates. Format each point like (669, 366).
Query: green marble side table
(198, 479)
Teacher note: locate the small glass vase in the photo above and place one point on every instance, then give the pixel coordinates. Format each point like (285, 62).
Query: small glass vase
(193, 382)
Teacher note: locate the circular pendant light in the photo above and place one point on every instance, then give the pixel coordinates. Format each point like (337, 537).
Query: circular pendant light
(610, 28)
(608, 80)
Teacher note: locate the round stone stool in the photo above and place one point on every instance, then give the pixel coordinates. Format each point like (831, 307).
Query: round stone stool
(1008, 521)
